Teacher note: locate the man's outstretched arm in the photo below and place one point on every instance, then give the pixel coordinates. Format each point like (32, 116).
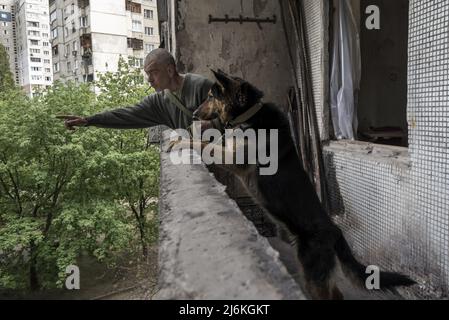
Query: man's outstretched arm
(147, 113)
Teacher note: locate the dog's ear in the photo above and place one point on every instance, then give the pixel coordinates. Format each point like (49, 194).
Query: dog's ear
(226, 81)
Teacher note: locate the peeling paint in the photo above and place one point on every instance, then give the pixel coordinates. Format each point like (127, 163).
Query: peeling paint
(225, 47)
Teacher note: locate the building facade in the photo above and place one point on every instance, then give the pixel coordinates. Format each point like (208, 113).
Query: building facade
(89, 37)
(25, 34)
(7, 29)
(33, 45)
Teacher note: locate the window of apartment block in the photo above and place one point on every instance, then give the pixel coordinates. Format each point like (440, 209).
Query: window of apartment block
(45, 44)
(67, 49)
(76, 65)
(53, 16)
(83, 3)
(83, 21)
(35, 59)
(34, 42)
(5, 32)
(5, 24)
(55, 50)
(137, 25)
(36, 78)
(47, 78)
(73, 27)
(136, 44)
(34, 33)
(47, 70)
(75, 45)
(33, 24)
(133, 7)
(46, 52)
(47, 61)
(56, 67)
(149, 31)
(148, 14)
(32, 50)
(66, 32)
(45, 35)
(135, 62)
(54, 33)
(149, 47)
(72, 8)
(69, 66)
(36, 69)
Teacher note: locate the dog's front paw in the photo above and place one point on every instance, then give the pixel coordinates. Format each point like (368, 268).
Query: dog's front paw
(179, 144)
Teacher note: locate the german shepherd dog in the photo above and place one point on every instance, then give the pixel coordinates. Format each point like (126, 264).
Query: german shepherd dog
(288, 196)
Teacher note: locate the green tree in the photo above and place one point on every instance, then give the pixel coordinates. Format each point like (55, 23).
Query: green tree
(6, 77)
(64, 194)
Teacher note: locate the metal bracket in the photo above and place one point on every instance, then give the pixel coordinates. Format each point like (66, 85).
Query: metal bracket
(241, 19)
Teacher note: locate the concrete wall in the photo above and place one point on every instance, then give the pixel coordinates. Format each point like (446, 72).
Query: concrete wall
(242, 50)
(207, 249)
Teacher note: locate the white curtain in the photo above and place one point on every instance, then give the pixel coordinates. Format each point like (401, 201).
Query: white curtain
(346, 71)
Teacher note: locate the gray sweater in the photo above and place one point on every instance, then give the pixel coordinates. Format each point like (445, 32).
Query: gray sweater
(157, 109)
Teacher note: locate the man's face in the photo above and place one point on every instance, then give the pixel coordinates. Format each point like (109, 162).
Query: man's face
(159, 75)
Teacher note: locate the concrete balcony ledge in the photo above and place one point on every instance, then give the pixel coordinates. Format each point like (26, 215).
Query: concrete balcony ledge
(207, 248)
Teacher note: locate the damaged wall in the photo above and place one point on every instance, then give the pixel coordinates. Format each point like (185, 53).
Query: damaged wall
(396, 212)
(243, 50)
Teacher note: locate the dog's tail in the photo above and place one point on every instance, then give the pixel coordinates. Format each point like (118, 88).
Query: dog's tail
(357, 271)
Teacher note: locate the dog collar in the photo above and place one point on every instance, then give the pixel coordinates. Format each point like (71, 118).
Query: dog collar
(245, 116)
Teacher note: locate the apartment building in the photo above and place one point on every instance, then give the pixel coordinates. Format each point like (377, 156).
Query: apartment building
(7, 29)
(33, 51)
(25, 33)
(88, 37)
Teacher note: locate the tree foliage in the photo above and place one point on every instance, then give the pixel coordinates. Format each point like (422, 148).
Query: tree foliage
(65, 194)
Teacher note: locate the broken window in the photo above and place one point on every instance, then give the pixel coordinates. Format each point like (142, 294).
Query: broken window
(369, 71)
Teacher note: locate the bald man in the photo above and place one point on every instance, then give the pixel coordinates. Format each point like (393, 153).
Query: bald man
(176, 98)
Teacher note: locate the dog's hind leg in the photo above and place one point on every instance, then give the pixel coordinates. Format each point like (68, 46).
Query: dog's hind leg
(319, 263)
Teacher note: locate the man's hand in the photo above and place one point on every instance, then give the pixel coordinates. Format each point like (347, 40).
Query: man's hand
(73, 121)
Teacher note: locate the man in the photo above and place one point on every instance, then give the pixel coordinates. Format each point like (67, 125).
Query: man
(177, 97)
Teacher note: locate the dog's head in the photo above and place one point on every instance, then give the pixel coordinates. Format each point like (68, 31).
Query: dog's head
(228, 98)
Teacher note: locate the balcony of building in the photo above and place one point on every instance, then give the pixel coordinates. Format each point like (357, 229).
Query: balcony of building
(135, 44)
(133, 6)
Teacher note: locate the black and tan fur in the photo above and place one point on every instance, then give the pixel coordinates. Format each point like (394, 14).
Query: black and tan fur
(288, 196)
